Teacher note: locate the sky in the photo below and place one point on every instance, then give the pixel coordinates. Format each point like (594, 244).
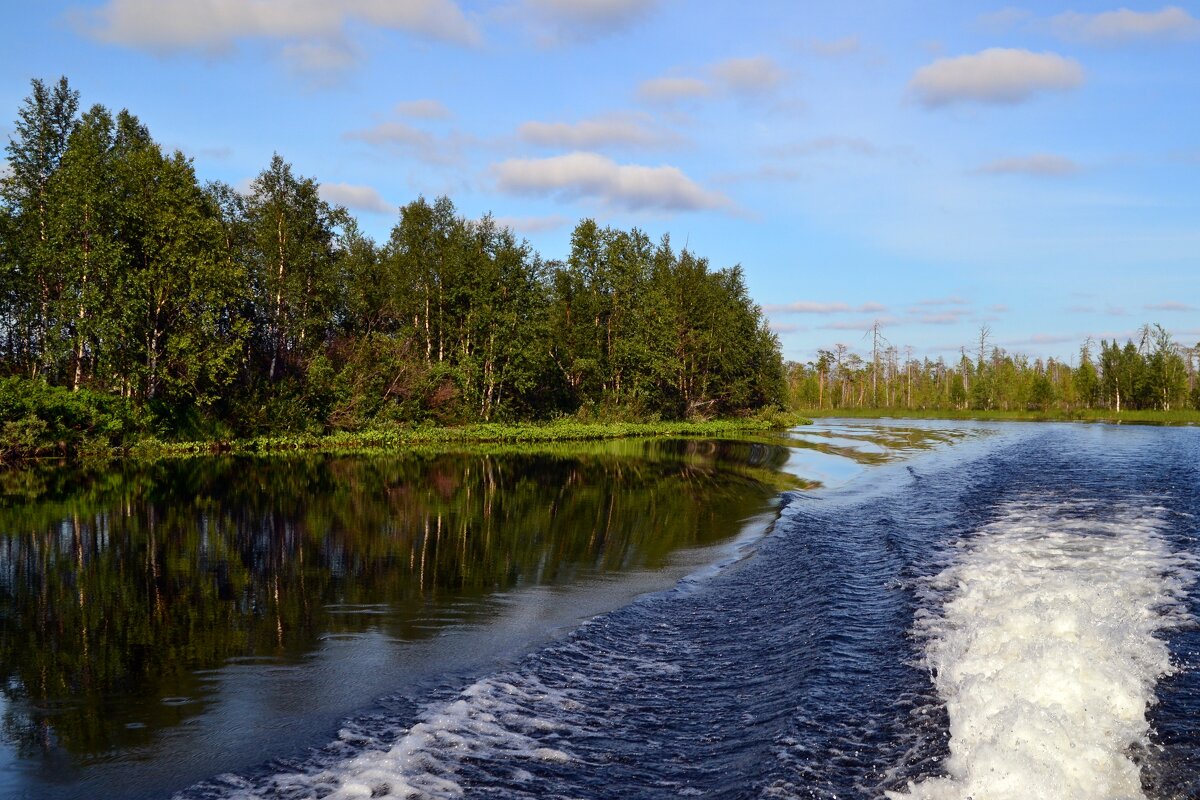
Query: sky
(935, 167)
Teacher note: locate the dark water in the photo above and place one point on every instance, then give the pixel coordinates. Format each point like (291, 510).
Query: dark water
(162, 623)
(1010, 614)
(802, 671)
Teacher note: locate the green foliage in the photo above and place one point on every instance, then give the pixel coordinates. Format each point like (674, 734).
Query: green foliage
(216, 313)
(39, 419)
(1156, 375)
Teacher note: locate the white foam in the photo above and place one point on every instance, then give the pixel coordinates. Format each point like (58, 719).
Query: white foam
(1045, 653)
(494, 721)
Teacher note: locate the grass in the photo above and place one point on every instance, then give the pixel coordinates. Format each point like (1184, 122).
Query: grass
(1183, 417)
(399, 437)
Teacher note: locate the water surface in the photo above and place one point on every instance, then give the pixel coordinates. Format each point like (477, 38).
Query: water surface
(163, 622)
(1010, 616)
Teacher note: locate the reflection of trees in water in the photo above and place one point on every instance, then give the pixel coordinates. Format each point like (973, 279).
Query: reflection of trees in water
(115, 588)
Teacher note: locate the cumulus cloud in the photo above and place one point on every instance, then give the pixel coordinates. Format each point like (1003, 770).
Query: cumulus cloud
(1040, 164)
(550, 222)
(810, 307)
(359, 198)
(392, 133)
(216, 25)
(558, 21)
(596, 133)
(588, 175)
(738, 77)
(672, 89)
(423, 109)
(1124, 25)
(320, 61)
(400, 136)
(996, 75)
(747, 75)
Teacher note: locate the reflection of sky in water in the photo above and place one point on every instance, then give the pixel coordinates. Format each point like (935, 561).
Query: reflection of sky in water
(828, 469)
(834, 452)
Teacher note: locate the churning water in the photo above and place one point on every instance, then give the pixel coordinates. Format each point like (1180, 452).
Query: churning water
(1013, 616)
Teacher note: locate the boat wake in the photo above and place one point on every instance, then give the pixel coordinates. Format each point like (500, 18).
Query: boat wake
(1047, 651)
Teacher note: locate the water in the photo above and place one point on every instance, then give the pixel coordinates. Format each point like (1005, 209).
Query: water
(161, 623)
(1010, 614)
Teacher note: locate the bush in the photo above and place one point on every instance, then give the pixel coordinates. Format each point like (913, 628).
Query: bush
(39, 419)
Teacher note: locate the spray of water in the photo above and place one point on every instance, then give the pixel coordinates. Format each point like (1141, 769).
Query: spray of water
(1046, 655)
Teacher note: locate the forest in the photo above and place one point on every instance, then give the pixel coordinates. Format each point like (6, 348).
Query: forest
(1153, 373)
(136, 300)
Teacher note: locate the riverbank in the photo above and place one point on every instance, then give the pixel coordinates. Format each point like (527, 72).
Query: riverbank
(398, 437)
(1184, 417)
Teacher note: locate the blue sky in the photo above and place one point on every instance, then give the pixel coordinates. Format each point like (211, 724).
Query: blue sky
(933, 166)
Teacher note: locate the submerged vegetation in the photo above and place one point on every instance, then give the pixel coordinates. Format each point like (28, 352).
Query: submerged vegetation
(137, 303)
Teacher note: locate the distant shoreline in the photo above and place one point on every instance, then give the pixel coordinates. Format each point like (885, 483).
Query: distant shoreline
(1185, 417)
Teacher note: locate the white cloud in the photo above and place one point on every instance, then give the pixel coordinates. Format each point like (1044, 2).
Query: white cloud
(551, 222)
(317, 60)
(359, 198)
(810, 307)
(996, 75)
(393, 133)
(404, 137)
(588, 175)
(1124, 25)
(595, 133)
(557, 21)
(423, 109)
(747, 75)
(672, 89)
(216, 25)
(739, 77)
(1169, 306)
(1040, 164)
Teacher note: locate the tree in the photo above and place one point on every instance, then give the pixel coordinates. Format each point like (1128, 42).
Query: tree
(293, 263)
(1166, 373)
(41, 132)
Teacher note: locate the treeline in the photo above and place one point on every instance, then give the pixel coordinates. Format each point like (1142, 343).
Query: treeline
(1152, 373)
(208, 311)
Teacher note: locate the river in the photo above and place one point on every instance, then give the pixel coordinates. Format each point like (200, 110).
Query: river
(945, 610)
